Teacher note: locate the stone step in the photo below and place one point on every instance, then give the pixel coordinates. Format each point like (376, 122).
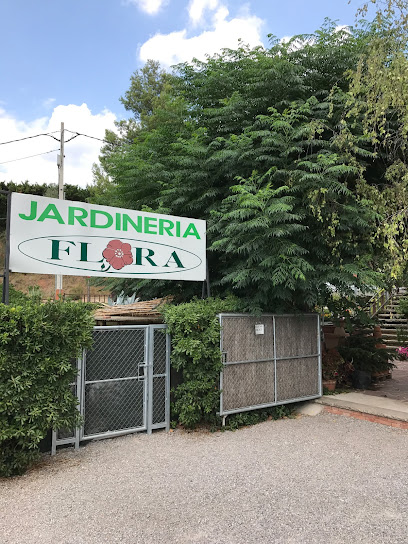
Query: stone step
(367, 404)
(388, 314)
(395, 322)
(389, 327)
(392, 315)
(392, 330)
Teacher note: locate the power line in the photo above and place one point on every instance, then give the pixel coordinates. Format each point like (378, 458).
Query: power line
(72, 138)
(29, 137)
(30, 156)
(92, 137)
(55, 131)
(76, 134)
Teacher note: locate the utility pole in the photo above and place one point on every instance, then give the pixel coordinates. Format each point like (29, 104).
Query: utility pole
(60, 163)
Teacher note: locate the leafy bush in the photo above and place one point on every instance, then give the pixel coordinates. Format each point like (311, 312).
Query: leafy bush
(331, 361)
(195, 334)
(15, 296)
(403, 307)
(38, 343)
(359, 350)
(257, 416)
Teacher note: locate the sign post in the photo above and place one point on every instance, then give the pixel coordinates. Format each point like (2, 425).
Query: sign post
(6, 271)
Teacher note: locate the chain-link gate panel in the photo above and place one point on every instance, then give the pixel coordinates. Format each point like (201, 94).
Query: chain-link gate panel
(296, 335)
(297, 357)
(115, 381)
(239, 343)
(249, 384)
(114, 406)
(268, 360)
(161, 379)
(115, 353)
(123, 383)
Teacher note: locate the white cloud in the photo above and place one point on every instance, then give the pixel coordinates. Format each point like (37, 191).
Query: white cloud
(178, 46)
(298, 44)
(151, 7)
(48, 102)
(197, 8)
(80, 153)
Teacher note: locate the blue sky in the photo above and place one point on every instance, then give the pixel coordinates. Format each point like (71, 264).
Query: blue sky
(71, 61)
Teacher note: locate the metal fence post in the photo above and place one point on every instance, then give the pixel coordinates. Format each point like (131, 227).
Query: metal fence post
(167, 397)
(319, 351)
(275, 361)
(149, 368)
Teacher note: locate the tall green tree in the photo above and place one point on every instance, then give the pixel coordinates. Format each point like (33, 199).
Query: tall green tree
(378, 95)
(300, 221)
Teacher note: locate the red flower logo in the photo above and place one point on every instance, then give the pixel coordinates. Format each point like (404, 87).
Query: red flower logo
(118, 254)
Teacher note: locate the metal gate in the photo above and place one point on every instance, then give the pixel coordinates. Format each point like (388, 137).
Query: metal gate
(123, 384)
(268, 361)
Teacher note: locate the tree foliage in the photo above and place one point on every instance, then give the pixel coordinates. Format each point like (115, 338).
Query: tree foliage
(379, 96)
(269, 146)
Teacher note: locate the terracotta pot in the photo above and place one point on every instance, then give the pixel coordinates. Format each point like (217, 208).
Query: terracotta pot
(328, 328)
(330, 385)
(331, 340)
(377, 331)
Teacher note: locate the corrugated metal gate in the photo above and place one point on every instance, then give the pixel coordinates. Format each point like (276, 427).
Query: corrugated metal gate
(123, 384)
(269, 360)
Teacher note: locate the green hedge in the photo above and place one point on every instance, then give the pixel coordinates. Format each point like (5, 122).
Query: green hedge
(38, 343)
(15, 296)
(195, 338)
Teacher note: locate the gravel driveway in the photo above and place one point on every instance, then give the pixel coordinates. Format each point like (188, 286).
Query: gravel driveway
(324, 479)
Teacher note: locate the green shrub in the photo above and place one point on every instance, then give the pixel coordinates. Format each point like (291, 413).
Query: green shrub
(359, 350)
(15, 296)
(38, 343)
(195, 336)
(403, 307)
(257, 416)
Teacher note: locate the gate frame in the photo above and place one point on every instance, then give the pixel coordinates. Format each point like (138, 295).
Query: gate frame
(148, 375)
(224, 413)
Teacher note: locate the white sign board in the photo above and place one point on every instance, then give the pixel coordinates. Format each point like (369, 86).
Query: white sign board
(50, 236)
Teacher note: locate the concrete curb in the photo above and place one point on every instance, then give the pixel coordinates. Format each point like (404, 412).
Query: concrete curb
(366, 404)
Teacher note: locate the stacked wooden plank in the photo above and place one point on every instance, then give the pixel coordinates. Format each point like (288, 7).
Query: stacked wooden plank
(145, 311)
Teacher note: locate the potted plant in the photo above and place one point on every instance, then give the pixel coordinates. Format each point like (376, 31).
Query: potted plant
(331, 360)
(402, 353)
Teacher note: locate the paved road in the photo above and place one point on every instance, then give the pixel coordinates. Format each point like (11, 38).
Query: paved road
(323, 479)
(397, 387)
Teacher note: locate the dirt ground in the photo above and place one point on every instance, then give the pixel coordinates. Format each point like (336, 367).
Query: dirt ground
(325, 479)
(397, 387)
